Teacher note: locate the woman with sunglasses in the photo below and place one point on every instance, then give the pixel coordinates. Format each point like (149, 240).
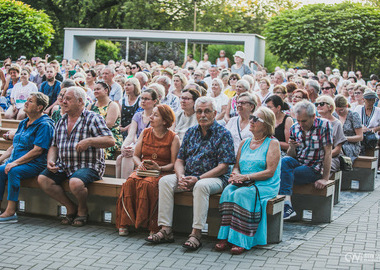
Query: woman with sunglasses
(140, 121)
(326, 107)
(241, 87)
(283, 121)
(328, 89)
(186, 117)
(258, 161)
(135, 67)
(111, 113)
(352, 127)
(358, 94)
(239, 125)
(232, 80)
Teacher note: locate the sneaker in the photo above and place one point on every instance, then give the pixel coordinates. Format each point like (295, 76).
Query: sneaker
(289, 212)
(123, 231)
(11, 219)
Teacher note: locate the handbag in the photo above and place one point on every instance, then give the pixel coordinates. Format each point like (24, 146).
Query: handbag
(370, 140)
(345, 163)
(257, 215)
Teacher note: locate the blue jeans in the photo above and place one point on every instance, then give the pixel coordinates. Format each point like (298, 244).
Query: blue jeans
(14, 176)
(293, 172)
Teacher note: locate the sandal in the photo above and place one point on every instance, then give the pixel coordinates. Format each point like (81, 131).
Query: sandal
(123, 231)
(80, 221)
(161, 237)
(68, 219)
(235, 250)
(222, 245)
(191, 244)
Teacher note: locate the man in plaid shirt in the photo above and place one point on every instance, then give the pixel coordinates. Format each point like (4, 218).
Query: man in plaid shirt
(76, 154)
(309, 153)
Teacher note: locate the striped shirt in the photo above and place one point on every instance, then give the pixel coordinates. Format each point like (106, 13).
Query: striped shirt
(310, 150)
(89, 124)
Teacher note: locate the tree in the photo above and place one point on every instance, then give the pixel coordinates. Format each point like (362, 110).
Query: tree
(23, 29)
(347, 31)
(106, 50)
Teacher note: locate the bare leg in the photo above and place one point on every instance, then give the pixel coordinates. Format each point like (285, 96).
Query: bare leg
(127, 167)
(10, 114)
(11, 209)
(80, 192)
(21, 114)
(56, 192)
(118, 166)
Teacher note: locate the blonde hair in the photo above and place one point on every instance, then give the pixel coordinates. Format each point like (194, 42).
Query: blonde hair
(182, 78)
(136, 83)
(269, 120)
(329, 100)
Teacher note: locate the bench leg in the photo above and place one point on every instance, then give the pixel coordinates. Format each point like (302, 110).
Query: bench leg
(347, 177)
(367, 179)
(275, 225)
(338, 183)
(321, 207)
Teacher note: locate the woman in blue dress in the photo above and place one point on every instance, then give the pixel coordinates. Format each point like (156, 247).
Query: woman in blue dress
(27, 155)
(243, 209)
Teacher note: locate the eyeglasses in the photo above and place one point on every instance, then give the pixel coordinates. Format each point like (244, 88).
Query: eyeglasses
(357, 93)
(243, 102)
(145, 99)
(133, 67)
(325, 88)
(207, 111)
(254, 119)
(278, 93)
(320, 104)
(297, 97)
(233, 79)
(185, 98)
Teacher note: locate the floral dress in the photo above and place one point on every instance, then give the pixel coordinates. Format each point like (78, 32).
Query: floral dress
(110, 151)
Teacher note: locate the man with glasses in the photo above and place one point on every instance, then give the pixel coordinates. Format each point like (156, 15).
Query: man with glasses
(309, 154)
(202, 167)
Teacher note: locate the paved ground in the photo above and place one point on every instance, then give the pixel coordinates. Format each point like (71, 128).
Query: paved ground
(349, 242)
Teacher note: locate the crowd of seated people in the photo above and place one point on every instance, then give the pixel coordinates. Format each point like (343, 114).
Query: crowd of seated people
(204, 128)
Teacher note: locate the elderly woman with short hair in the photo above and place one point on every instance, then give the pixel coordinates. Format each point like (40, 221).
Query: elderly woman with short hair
(241, 87)
(27, 155)
(352, 127)
(220, 98)
(254, 180)
(326, 107)
(239, 125)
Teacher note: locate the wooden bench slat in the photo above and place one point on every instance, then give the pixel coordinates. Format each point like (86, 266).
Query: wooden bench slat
(309, 189)
(10, 123)
(365, 162)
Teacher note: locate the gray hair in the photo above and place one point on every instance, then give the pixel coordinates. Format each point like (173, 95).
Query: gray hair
(245, 84)
(67, 83)
(304, 106)
(110, 69)
(165, 78)
(314, 84)
(203, 100)
(79, 93)
(159, 89)
(220, 82)
(280, 73)
(144, 77)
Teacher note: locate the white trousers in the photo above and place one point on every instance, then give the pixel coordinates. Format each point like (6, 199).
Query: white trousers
(167, 186)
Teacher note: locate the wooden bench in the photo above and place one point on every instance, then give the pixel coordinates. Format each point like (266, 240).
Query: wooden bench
(364, 171)
(5, 130)
(5, 144)
(319, 201)
(10, 123)
(183, 217)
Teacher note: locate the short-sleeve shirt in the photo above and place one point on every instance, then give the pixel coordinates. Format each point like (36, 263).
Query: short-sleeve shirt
(203, 153)
(116, 92)
(39, 133)
(243, 70)
(88, 125)
(51, 91)
(20, 93)
(138, 118)
(310, 152)
(172, 101)
(238, 135)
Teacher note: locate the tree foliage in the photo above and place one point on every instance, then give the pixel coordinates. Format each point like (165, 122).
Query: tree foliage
(23, 29)
(347, 31)
(238, 16)
(106, 50)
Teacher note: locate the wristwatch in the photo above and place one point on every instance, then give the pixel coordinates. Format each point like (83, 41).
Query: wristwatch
(198, 178)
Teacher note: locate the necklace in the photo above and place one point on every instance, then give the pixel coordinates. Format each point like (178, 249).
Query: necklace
(262, 139)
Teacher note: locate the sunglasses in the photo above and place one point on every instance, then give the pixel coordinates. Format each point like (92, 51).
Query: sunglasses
(357, 93)
(320, 104)
(326, 88)
(254, 119)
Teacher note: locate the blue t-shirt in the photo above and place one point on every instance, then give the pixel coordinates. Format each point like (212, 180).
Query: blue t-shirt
(39, 133)
(203, 153)
(51, 91)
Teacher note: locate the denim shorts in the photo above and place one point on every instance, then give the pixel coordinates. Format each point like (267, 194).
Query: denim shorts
(87, 175)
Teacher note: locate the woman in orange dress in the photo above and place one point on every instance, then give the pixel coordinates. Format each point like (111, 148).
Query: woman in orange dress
(156, 149)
